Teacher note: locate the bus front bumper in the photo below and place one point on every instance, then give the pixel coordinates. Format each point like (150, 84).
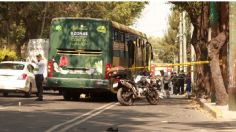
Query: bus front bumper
(55, 82)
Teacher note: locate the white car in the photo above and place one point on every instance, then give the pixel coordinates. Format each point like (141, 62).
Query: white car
(17, 76)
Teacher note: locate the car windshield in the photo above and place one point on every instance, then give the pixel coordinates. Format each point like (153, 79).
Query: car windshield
(11, 66)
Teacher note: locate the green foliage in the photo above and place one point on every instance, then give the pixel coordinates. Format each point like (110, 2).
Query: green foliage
(163, 52)
(20, 21)
(167, 54)
(155, 41)
(165, 49)
(193, 8)
(16, 33)
(125, 12)
(11, 54)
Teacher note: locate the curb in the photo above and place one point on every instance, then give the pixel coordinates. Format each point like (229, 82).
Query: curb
(211, 109)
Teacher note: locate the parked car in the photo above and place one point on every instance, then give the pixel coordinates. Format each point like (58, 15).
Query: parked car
(17, 76)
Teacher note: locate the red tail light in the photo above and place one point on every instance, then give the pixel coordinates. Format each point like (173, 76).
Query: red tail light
(108, 67)
(22, 77)
(50, 68)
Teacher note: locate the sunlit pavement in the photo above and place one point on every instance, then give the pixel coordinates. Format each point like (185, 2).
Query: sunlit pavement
(55, 114)
(219, 112)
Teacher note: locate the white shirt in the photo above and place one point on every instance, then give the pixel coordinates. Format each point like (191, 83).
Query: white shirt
(41, 66)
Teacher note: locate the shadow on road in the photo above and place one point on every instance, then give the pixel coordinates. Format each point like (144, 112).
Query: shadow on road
(124, 118)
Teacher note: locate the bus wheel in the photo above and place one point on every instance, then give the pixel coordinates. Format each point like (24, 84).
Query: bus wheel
(60, 92)
(66, 94)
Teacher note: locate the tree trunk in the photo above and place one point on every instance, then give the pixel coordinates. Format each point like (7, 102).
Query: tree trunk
(44, 18)
(224, 64)
(18, 51)
(199, 42)
(214, 48)
(202, 73)
(221, 95)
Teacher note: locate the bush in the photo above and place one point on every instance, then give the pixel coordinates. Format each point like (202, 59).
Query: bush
(11, 54)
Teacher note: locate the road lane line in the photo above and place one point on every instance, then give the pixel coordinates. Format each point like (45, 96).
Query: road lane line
(6, 106)
(2, 105)
(85, 119)
(76, 118)
(3, 108)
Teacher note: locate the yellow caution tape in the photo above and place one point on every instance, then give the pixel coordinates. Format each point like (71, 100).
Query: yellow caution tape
(175, 64)
(182, 64)
(139, 67)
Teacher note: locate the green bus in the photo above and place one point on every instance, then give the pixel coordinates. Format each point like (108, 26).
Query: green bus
(82, 50)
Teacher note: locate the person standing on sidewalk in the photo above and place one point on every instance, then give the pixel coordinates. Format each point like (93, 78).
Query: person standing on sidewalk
(188, 88)
(39, 76)
(174, 80)
(166, 82)
(181, 80)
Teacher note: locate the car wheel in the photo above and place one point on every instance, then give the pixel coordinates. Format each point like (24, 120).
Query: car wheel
(5, 94)
(28, 94)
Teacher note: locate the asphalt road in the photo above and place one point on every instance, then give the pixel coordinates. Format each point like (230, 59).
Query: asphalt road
(56, 115)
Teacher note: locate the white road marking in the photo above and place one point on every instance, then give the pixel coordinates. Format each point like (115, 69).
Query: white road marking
(85, 119)
(6, 106)
(76, 118)
(3, 108)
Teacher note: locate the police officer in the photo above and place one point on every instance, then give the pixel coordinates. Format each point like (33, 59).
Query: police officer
(39, 76)
(181, 80)
(174, 83)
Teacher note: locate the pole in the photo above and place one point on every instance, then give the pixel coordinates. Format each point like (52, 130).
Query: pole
(232, 56)
(192, 58)
(184, 42)
(180, 42)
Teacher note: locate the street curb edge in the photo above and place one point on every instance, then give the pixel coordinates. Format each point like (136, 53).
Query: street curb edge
(213, 111)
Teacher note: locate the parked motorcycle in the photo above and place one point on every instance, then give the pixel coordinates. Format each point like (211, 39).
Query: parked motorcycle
(156, 83)
(131, 88)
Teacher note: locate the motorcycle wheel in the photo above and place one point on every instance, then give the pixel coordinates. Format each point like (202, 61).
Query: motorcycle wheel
(125, 97)
(153, 97)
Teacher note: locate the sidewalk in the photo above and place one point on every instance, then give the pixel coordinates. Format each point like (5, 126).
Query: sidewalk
(219, 112)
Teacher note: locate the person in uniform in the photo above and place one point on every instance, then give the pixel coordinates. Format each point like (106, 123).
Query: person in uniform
(174, 83)
(39, 76)
(181, 80)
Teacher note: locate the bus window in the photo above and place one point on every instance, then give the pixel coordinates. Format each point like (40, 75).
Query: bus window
(131, 52)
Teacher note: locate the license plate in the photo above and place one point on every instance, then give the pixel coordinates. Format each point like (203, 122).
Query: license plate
(115, 85)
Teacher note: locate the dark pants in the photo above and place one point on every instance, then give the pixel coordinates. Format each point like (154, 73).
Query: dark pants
(181, 88)
(39, 85)
(175, 89)
(166, 86)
